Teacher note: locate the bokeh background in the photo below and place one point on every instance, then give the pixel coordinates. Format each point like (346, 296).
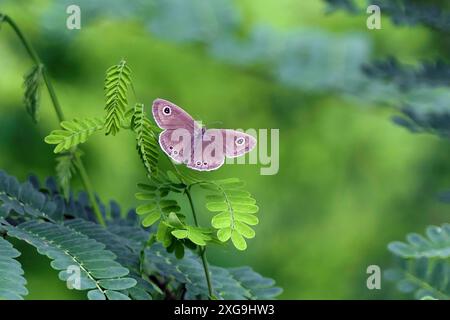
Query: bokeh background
(350, 181)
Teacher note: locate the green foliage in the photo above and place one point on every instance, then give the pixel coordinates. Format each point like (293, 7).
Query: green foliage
(118, 78)
(235, 211)
(146, 139)
(110, 266)
(406, 77)
(12, 282)
(424, 267)
(125, 255)
(435, 245)
(239, 283)
(32, 84)
(423, 277)
(119, 261)
(258, 287)
(157, 204)
(23, 199)
(65, 168)
(173, 231)
(73, 133)
(97, 269)
(433, 14)
(228, 283)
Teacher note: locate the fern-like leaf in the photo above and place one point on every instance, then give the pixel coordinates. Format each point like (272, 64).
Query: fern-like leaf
(435, 245)
(423, 277)
(32, 84)
(235, 211)
(157, 205)
(173, 231)
(12, 282)
(147, 140)
(94, 267)
(235, 283)
(125, 254)
(23, 199)
(73, 133)
(118, 78)
(259, 287)
(66, 168)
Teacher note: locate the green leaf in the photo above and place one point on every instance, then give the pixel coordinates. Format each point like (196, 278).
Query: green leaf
(145, 195)
(33, 84)
(12, 282)
(422, 276)
(163, 235)
(146, 208)
(122, 248)
(238, 240)
(174, 221)
(66, 168)
(217, 206)
(235, 283)
(180, 234)
(114, 295)
(96, 295)
(70, 250)
(222, 220)
(73, 133)
(146, 139)
(437, 245)
(236, 210)
(197, 236)
(117, 284)
(244, 230)
(151, 219)
(117, 81)
(224, 234)
(24, 199)
(246, 218)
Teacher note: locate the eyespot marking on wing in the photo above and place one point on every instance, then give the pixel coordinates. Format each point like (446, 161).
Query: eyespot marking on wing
(167, 110)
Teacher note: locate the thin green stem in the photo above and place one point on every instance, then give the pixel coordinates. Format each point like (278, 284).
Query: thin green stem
(188, 193)
(33, 55)
(202, 250)
(90, 191)
(194, 215)
(56, 105)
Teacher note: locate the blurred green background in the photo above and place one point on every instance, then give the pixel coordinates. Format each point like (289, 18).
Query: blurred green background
(350, 181)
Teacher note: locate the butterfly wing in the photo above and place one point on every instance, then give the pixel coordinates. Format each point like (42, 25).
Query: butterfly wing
(217, 144)
(170, 116)
(180, 129)
(178, 149)
(236, 143)
(212, 151)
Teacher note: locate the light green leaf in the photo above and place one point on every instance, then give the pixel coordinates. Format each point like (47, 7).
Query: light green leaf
(151, 219)
(180, 234)
(224, 234)
(238, 240)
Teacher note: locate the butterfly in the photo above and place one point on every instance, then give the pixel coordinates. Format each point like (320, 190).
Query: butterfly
(188, 142)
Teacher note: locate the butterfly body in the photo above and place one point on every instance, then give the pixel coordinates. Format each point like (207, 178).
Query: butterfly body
(199, 148)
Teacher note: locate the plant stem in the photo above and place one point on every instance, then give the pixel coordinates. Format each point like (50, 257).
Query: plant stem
(58, 110)
(90, 191)
(202, 251)
(33, 55)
